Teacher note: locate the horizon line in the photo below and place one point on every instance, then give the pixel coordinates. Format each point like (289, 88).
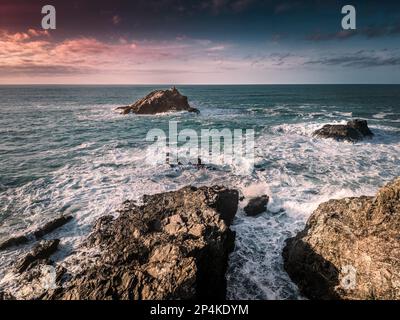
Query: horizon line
(188, 84)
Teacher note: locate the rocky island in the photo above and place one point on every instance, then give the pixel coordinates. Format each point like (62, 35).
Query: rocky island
(159, 101)
(359, 235)
(353, 131)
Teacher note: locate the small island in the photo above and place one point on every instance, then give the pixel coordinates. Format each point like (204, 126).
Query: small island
(159, 101)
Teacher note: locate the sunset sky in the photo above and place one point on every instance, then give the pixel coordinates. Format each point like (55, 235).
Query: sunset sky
(199, 42)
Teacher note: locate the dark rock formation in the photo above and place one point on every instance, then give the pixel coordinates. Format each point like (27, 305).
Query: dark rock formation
(14, 241)
(256, 205)
(6, 296)
(42, 251)
(354, 130)
(174, 246)
(159, 101)
(51, 226)
(38, 233)
(350, 248)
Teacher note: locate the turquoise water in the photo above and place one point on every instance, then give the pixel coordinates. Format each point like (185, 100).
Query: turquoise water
(63, 149)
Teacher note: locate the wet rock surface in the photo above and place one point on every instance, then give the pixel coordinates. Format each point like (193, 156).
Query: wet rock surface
(159, 101)
(37, 234)
(256, 205)
(353, 131)
(350, 248)
(173, 246)
(14, 241)
(41, 252)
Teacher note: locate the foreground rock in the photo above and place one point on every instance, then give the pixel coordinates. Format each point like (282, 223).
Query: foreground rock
(39, 233)
(159, 101)
(354, 130)
(256, 205)
(350, 248)
(174, 246)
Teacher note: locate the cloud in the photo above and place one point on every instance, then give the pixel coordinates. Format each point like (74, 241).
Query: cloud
(216, 48)
(360, 59)
(369, 32)
(34, 53)
(116, 19)
(286, 6)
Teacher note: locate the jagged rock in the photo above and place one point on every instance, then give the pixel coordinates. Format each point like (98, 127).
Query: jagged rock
(256, 205)
(14, 241)
(51, 226)
(350, 248)
(354, 130)
(174, 246)
(160, 101)
(37, 234)
(6, 296)
(42, 251)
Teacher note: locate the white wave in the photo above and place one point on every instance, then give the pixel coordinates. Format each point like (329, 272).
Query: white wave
(299, 173)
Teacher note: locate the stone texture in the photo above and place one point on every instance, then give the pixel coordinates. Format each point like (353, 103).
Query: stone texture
(173, 246)
(363, 233)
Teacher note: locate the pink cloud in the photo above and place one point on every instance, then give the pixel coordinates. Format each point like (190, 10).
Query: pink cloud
(35, 57)
(116, 19)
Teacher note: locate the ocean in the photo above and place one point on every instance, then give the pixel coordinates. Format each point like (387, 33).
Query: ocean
(64, 150)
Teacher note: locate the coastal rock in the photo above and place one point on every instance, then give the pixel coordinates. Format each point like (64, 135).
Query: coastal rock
(14, 241)
(160, 101)
(173, 246)
(51, 226)
(350, 248)
(37, 234)
(42, 251)
(256, 205)
(354, 130)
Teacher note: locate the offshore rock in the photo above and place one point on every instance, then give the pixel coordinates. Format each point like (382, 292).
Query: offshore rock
(160, 101)
(353, 131)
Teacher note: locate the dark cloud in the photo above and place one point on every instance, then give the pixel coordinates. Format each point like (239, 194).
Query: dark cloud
(359, 59)
(369, 32)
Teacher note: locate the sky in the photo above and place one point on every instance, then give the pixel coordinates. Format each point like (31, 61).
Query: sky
(199, 42)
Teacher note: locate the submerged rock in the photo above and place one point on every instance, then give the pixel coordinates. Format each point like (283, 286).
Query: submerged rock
(14, 241)
(40, 232)
(159, 101)
(350, 248)
(174, 246)
(51, 226)
(354, 130)
(256, 205)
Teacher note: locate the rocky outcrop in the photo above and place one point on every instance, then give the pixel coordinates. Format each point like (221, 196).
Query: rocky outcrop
(39, 233)
(350, 248)
(42, 251)
(256, 205)
(159, 101)
(173, 246)
(14, 241)
(354, 130)
(51, 226)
